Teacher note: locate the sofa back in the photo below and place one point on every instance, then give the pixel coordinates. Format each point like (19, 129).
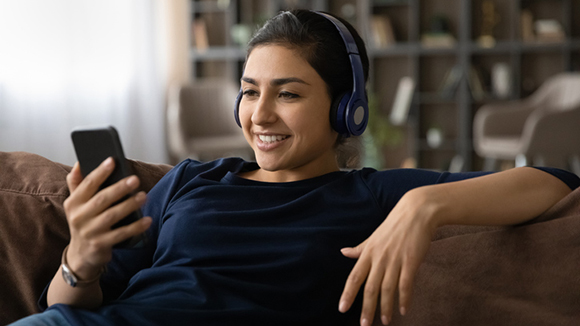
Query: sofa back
(33, 227)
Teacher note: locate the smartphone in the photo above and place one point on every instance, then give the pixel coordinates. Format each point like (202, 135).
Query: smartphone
(92, 146)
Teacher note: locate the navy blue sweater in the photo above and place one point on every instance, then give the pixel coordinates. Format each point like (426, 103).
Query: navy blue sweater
(224, 250)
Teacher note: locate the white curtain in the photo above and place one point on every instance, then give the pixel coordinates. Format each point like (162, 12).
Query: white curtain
(68, 63)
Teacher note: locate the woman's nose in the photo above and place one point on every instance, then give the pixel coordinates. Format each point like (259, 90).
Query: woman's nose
(264, 112)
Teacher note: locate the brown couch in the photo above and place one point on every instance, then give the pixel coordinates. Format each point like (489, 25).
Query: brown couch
(524, 275)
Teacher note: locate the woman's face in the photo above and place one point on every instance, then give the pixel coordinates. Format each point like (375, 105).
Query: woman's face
(284, 114)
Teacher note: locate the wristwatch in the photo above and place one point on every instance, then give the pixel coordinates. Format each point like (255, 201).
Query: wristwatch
(69, 276)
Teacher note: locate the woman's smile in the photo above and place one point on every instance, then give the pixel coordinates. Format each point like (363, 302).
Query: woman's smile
(270, 142)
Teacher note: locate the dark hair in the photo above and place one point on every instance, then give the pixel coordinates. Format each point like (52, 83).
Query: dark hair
(320, 44)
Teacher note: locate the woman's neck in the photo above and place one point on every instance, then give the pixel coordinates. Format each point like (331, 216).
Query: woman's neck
(297, 174)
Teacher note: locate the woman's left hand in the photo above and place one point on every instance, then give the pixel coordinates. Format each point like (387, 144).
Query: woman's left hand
(390, 257)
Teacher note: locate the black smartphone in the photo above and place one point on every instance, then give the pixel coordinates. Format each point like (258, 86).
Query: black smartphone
(92, 146)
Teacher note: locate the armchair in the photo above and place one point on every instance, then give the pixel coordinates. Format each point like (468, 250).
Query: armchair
(543, 128)
(200, 122)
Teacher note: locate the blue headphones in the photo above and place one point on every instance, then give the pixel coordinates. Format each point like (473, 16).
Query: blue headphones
(349, 113)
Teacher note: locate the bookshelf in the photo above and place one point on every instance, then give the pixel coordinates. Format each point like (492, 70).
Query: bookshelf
(448, 114)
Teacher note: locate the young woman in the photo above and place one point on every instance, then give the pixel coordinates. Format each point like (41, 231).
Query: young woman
(288, 239)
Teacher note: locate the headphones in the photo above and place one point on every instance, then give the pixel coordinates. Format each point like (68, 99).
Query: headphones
(349, 113)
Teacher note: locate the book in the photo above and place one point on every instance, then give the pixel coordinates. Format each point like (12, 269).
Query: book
(527, 21)
(402, 102)
(476, 84)
(501, 80)
(199, 34)
(549, 30)
(451, 82)
(438, 40)
(382, 33)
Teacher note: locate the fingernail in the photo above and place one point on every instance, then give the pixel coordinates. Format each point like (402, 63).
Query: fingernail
(385, 320)
(140, 197)
(146, 221)
(132, 181)
(403, 311)
(365, 322)
(108, 162)
(342, 306)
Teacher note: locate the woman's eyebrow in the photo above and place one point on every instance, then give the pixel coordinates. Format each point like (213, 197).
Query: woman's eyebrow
(249, 80)
(277, 81)
(282, 81)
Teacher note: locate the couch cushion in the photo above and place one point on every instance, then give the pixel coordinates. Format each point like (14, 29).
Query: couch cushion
(33, 228)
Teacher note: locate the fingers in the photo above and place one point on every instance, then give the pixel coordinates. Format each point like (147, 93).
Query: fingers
(353, 283)
(384, 278)
(388, 289)
(110, 195)
(383, 281)
(82, 213)
(371, 293)
(96, 252)
(74, 178)
(94, 238)
(127, 231)
(354, 252)
(355, 279)
(87, 187)
(109, 217)
(90, 213)
(408, 272)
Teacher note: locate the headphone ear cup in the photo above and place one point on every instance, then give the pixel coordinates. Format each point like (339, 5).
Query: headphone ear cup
(337, 113)
(237, 108)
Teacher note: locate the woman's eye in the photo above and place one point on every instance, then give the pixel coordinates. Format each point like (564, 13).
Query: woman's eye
(288, 95)
(250, 92)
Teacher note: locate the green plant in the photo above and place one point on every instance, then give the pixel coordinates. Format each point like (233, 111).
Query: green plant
(380, 134)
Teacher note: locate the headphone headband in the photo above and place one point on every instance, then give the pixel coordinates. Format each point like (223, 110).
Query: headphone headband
(346, 36)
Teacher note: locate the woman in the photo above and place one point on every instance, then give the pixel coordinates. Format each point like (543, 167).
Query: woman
(273, 242)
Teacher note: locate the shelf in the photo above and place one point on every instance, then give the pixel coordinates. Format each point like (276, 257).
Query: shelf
(519, 46)
(438, 50)
(397, 49)
(410, 48)
(390, 3)
(207, 7)
(543, 47)
(500, 47)
(415, 48)
(218, 53)
(530, 64)
(446, 145)
(433, 98)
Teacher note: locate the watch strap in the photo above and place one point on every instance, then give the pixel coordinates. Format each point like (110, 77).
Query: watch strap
(71, 278)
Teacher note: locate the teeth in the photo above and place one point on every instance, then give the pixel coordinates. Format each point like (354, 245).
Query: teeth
(271, 139)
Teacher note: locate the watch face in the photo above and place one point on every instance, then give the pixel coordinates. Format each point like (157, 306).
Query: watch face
(68, 277)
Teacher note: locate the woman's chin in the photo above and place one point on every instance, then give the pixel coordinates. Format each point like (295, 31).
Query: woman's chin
(268, 165)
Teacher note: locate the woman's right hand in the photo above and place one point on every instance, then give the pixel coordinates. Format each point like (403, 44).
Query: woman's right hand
(90, 216)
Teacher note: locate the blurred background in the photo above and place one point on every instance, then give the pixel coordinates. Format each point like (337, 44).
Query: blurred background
(454, 84)
(68, 63)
